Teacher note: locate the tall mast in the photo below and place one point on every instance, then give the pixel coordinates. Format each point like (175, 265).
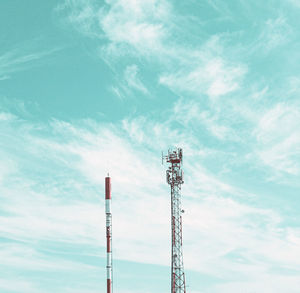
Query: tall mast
(175, 179)
(108, 233)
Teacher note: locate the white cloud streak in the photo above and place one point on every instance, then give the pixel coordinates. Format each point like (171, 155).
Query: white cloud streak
(144, 29)
(213, 78)
(132, 79)
(278, 138)
(276, 32)
(19, 60)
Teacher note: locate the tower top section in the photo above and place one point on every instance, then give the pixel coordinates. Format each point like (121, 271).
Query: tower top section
(174, 174)
(173, 156)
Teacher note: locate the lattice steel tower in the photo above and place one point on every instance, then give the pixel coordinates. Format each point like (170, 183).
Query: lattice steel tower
(175, 179)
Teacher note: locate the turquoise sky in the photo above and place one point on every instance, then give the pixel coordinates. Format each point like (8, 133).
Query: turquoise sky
(89, 87)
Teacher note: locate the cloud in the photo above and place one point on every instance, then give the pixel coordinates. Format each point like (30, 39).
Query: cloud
(267, 283)
(18, 60)
(148, 35)
(213, 78)
(197, 114)
(146, 30)
(5, 116)
(83, 14)
(128, 83)
(19, 256)
(132, 79)
(143, 131)
(295, 2)
(278, 138)
(276, 32)
(135, 23)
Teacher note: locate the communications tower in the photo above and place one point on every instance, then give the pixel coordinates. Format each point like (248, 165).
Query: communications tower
(175, 179)
(108, 234)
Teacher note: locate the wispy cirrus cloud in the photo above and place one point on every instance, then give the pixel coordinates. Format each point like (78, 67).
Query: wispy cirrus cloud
(145, 29)
(132, 79)
(136, 24)
(275, 33)
(139, 24)
(126, 84)
(83, 14)
(278, 138)
(212, 78)
(295, 2)
(18, 60)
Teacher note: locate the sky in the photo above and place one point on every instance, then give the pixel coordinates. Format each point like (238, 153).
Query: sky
(89, 87)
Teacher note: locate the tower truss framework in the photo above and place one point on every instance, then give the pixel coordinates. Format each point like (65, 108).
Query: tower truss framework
(174, 176)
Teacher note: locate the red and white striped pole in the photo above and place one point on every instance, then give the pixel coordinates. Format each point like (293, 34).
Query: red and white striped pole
(108, 233)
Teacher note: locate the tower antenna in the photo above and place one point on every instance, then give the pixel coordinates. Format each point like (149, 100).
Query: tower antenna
(174, 175)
